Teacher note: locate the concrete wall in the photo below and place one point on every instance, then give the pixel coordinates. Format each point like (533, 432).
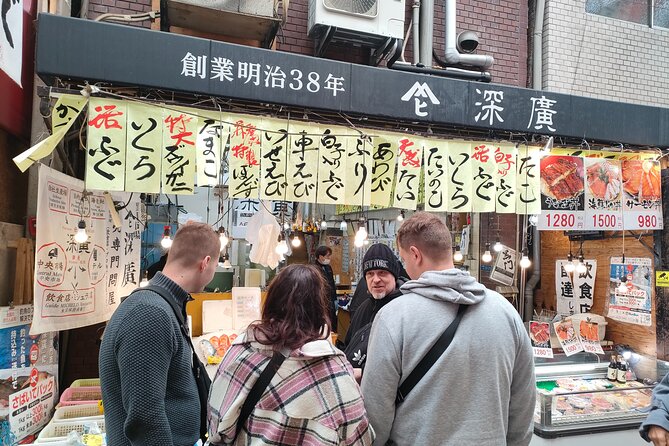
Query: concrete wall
(596, 56)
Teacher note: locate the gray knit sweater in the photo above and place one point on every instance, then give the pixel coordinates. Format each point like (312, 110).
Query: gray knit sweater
(148, 389)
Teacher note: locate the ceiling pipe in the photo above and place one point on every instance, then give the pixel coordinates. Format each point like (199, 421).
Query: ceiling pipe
(416, 31)
(426, 32)
(457, 73)
(452, 55)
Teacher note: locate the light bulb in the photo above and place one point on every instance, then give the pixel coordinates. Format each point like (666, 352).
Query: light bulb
(457, 257)
(145, 280)
(224, 241)
(227, 264)
(627, 355)
(324, 225)
(486, 257)
(81, 236)
(525, 261)
(401, 216)
(497, 247)
(282, 248)
(296, 242)
(580, 266)
(343, 225)
(365, 242)
(358, 242)
(569, 267)
(166, 242)
(286, 226)
(362, 233)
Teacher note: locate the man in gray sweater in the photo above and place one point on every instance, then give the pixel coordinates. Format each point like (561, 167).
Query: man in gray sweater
(481, 391)
(149, 388)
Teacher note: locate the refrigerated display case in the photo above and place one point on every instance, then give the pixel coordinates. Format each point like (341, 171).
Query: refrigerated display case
(576, 401)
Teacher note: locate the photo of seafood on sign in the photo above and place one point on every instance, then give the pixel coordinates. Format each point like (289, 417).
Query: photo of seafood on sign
(603, 190)
(589, 333)
(562, 193)
(541, 339)
(566, 334)
(642, 194)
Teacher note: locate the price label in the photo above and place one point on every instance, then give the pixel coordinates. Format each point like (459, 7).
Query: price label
(604, 221)
(553, 220)
(648, 221)
(543, 352)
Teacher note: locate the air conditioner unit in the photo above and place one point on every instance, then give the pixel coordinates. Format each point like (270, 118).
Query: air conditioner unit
(363, 21)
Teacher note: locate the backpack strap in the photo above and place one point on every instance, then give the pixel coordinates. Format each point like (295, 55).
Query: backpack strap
(430, 357)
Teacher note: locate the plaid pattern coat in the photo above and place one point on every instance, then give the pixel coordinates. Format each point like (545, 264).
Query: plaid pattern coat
(312, 400)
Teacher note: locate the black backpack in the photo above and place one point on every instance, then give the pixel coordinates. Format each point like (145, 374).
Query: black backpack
(356, 350)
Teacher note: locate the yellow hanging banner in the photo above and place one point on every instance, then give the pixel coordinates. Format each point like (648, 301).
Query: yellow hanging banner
(66, 109)
(435, 170)
(409, 162)
(302, 177)
(384, 154)
(106, 145)
(212, 134)
(505, 160)
(359, 169)
(484, 174)
(144, 142)
(274, 152)
(332, 165)
(460, 176)
(528, 180)
(244, 158)
(178, 166)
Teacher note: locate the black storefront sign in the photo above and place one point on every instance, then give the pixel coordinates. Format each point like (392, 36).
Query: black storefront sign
(124, 55)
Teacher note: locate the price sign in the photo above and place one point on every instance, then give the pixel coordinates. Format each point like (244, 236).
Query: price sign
(562, 193)
(642, 195)
(603, 191)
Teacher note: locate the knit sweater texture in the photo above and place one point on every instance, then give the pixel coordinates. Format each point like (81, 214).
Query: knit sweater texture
(148, 388)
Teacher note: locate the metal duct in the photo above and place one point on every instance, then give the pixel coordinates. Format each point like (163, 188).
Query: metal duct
(426, 32)
(452, 55)
(416, 31)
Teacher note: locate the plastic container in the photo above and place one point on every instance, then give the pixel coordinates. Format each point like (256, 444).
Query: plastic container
(86, 382)
(80, 395)
(77, 412)
(57, 432)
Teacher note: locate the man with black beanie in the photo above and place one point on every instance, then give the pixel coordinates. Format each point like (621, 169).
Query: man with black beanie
(380, 269)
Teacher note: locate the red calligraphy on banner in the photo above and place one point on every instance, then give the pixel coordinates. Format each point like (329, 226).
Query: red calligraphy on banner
(104, 116)
(481, 154)
(408, 157)
(244, 150)
(177, 129)
(504, 161)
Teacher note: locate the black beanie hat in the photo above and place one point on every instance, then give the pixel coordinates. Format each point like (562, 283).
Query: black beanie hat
(379, 256)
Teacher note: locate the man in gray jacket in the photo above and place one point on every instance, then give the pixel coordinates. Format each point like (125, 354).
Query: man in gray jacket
(481, 391)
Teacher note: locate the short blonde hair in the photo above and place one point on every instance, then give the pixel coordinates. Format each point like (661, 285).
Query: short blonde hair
(193, 242)
(429, 234)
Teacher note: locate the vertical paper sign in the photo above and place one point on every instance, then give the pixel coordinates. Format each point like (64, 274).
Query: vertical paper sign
(435, 170)
(302, 176)
(562, 193)
(540, 335)
(244, 159)
(459, 176)
(359, 164)
(505, 160)
(79, 284)
(589, 334)
(631, 303)
(584, 286)
(105, 164)
(273, 164)
(67, 107)
(504, 269)
(245, 306)
(409, 160)
(528, 182)
(212, 134)
(384, 155)
(642, 195)
(567, 337)
(332, 165)
(178, 167)
(603, 190)
(144, 141)
(484, 172)
(564, 290)
(11, 39)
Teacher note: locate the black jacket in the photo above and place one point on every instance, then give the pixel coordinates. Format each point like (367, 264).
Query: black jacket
(326, 270)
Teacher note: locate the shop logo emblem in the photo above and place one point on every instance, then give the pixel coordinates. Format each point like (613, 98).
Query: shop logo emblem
(418, 92)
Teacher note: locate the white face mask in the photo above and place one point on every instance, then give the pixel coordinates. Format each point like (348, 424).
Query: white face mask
(325, 262)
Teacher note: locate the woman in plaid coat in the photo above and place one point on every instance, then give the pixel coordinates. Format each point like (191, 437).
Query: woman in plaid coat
(313, 398)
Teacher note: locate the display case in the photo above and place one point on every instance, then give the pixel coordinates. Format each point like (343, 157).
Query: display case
(574, 397)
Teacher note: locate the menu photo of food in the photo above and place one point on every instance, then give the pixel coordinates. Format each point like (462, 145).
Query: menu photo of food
(567, 337)
(540, 334)
(641, 180)
(604, 180)
(562, 180)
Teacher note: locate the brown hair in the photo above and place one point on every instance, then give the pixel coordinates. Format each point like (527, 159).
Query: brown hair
(428, 233)
(322, 251)
(192, 242)
(295, 309)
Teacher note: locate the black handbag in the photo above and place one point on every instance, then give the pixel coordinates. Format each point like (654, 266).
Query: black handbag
(430, 357)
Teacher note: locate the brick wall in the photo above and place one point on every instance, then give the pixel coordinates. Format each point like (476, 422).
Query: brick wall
(99, 7)
(596, 56)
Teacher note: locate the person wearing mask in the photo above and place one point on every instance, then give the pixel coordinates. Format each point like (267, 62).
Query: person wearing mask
(481, 389)
(655, 427)
(380, 270)
(323, 255)
(309, 396)
(153, 389)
